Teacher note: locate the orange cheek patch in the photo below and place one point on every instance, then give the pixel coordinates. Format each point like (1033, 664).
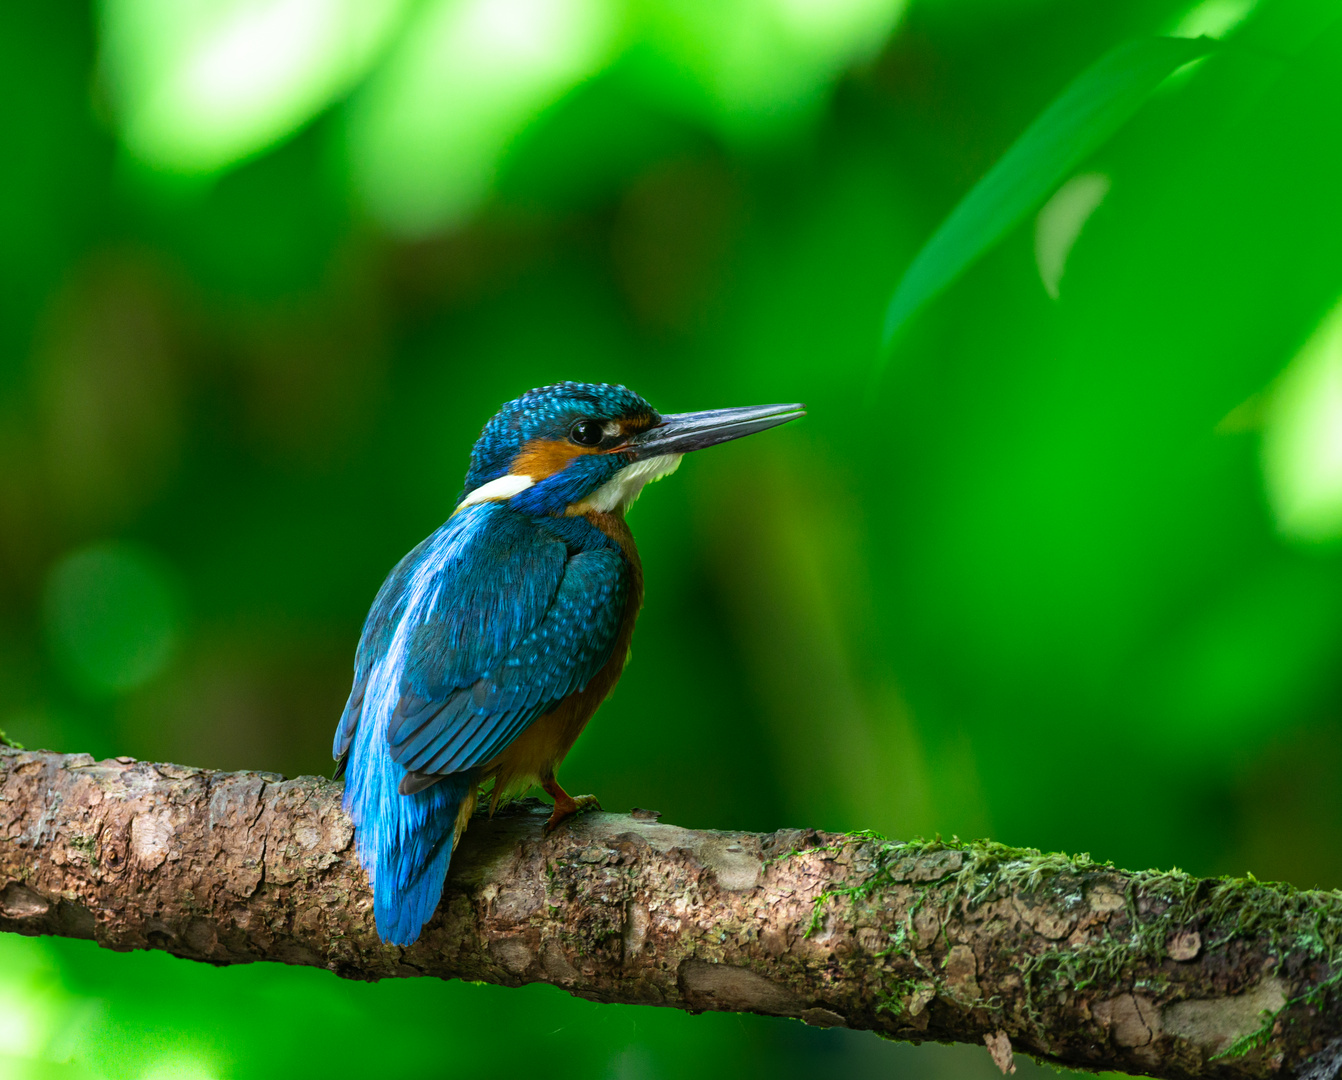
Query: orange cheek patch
(545, 457)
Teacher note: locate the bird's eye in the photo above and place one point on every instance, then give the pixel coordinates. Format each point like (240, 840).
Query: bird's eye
(586, 433)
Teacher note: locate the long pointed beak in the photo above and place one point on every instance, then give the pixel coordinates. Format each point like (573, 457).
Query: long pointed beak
(680, 433)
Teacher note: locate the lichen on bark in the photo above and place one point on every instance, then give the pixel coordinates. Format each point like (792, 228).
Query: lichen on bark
(1177, 970)
(1064, 958)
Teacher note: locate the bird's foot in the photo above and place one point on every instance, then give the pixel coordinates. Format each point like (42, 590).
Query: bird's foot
(566, 805)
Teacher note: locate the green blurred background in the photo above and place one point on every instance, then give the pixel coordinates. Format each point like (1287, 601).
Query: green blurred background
(1067, 574)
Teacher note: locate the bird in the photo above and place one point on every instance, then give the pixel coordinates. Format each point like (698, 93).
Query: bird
(491, 644)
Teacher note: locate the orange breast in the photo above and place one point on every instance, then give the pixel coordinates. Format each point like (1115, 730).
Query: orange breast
(536, 753)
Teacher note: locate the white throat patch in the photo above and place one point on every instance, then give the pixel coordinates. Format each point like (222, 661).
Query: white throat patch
(618, 493)
(503, 487)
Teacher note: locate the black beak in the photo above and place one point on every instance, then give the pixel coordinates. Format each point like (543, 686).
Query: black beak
(680, 433)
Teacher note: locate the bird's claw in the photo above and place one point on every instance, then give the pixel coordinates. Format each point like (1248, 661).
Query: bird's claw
(568, 806)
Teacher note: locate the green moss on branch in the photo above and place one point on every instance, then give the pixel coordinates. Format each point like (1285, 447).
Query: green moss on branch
(1141, 957)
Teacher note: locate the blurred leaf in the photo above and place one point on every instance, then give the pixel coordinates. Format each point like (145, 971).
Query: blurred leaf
(1302, 439)
(112, 618)
(1077, 123)
(759, 69)
(1059, 225)
(199, 87)
(1214, 18)
(426, 136)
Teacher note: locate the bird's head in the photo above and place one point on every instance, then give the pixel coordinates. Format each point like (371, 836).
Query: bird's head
(573, 448)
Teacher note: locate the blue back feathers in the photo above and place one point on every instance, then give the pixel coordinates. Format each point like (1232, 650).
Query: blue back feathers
(485, 626)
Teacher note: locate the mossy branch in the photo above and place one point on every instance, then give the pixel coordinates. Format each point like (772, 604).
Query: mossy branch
(1063, 958)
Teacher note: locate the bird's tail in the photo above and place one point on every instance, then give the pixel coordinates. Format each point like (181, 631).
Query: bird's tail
(411, 869)
(404, 841)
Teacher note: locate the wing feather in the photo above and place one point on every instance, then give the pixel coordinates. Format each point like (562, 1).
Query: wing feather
(569, 645)
(482, 628)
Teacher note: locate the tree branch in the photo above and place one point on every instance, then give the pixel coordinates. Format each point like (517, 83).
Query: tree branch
(1072, 961)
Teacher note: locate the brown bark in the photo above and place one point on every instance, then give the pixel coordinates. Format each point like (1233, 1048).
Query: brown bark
(1061, 958)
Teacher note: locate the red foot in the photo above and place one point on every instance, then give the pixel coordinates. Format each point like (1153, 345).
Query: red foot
(566, 805)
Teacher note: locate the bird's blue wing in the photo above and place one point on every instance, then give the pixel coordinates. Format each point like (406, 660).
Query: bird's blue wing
(433, 733)
(451, 609)
(480, 630)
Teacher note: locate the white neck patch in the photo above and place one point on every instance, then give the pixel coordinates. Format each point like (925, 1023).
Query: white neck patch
(617, 494)
(503, 487)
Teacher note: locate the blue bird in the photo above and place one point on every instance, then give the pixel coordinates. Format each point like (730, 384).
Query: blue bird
(492, 643)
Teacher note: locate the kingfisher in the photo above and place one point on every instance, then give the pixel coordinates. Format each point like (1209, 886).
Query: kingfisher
(492, 643)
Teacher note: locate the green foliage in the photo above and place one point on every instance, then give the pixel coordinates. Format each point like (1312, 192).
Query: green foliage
(1070, 578)
(1075, 125)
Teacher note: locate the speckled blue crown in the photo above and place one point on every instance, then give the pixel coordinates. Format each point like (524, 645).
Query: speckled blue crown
(545, 413)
